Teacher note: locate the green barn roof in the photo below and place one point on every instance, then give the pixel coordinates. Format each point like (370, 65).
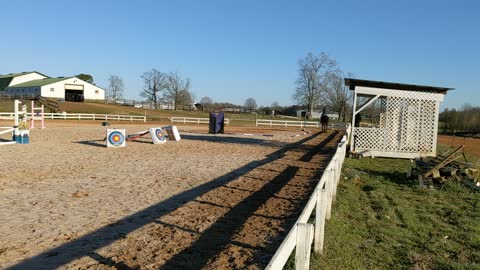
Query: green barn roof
(12, 75)
(40, 82)
(7, 78)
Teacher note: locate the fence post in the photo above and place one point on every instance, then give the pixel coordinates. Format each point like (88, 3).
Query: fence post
(320, 212)
(329, 188)
(304, 243)
(335, 174)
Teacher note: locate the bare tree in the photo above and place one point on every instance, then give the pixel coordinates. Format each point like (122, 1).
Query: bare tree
(250, 104)
(335, 95)
(115, 87)
(178, 90)
(312, 73)
(206, 101)
(275, 106)
(154, 82)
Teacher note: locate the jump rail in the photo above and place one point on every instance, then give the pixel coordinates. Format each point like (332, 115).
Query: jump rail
(302, 233)
(83, 116)
(186, 120)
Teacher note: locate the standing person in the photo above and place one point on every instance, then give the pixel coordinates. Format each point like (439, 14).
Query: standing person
(324, 121)
(358, 119)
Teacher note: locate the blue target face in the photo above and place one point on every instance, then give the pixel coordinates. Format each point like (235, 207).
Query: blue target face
(116, 138)
(159, 134)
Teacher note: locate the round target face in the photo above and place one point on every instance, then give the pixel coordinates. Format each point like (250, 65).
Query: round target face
(159, 134)
(116, 138)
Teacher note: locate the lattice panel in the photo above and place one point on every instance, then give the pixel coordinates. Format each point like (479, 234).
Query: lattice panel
(369, 138)
(407, 124)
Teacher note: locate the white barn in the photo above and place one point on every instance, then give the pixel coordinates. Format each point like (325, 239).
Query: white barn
(408, 119)
(317, 115)
(67, 88)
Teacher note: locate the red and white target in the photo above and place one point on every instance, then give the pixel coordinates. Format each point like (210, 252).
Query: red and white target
(115, 137)
(157, 135)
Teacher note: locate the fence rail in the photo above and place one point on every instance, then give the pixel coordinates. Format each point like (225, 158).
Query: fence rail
(82, 116)
(17, 96)
(186, 120)
(286, 123)
(302, 233)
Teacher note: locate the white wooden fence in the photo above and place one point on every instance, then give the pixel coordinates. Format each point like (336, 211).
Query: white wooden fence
(82, 116)
(293, 123)
(194, 120)
(286, 123)
(303, 233)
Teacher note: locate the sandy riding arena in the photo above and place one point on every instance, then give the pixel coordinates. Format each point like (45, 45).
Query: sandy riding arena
(205, 202)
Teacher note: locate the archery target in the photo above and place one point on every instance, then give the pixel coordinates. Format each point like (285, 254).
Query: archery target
(157, 135)
(115, 137)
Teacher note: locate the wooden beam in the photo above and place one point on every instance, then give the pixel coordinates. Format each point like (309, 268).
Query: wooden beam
(370, 101)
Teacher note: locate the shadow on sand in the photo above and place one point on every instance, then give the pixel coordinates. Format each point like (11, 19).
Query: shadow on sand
(211, 241)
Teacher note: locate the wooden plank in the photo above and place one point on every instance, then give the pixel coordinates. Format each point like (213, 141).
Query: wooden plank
(283, 252)
(307, 211)
(320, 220)
(448, 159)
(304, 243)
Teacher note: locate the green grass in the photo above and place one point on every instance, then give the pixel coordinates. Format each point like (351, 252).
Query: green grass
(381, 220)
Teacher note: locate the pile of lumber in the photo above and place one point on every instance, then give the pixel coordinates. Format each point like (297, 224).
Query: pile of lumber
(446, 168)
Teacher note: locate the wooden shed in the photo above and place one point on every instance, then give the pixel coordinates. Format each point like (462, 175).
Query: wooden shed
(408, 121)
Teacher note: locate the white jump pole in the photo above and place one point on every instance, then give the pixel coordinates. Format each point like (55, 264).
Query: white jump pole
(32, 120)
(42, 116)
(15, 125)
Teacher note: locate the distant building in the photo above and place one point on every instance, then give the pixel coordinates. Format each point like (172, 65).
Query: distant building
(67, 88)
(317, 114)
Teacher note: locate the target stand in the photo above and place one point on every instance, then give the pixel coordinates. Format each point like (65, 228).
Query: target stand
(172, 133)
(115, 137)
(157, 135)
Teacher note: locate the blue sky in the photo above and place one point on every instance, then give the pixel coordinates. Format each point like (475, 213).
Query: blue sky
(233, 50)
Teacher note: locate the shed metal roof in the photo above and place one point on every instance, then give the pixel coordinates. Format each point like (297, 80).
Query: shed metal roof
(40, 82)
(12, 75)
(395, 86)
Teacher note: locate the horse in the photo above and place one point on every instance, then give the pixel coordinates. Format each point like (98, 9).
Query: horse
(324, 122)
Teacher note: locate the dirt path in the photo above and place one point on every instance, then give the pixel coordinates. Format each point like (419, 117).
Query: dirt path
(212, 202)
(472, 145)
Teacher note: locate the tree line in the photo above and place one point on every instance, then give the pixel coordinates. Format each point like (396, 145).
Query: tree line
(463, 120)
(159, 87)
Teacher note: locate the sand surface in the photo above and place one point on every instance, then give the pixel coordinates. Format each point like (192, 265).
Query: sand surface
(208, 201)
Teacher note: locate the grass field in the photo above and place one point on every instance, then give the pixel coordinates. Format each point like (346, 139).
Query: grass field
(381, 220)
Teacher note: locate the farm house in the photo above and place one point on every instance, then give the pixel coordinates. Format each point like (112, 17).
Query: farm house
(408, 119)
(35, 83)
